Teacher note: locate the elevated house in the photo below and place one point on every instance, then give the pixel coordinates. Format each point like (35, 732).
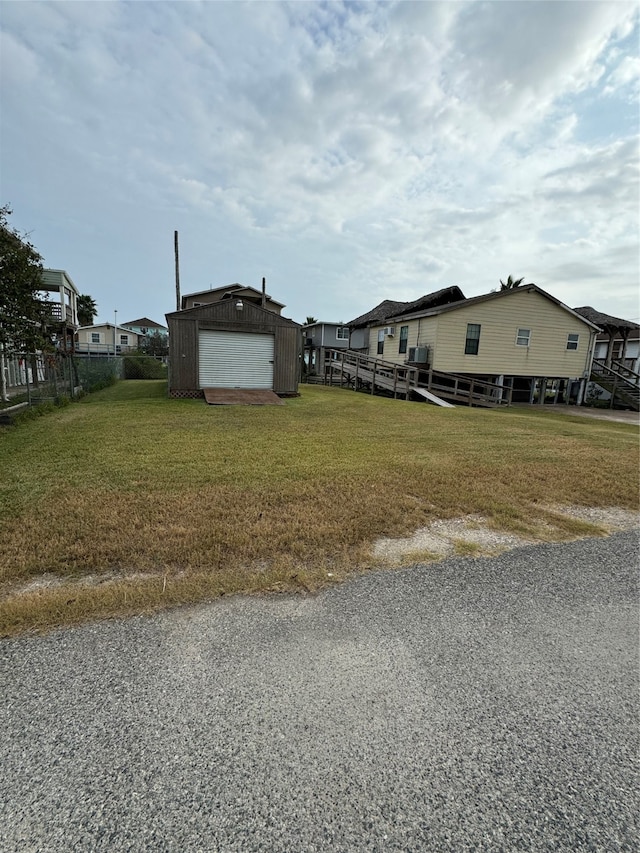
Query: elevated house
(235, 339)
(318, 335)
(520, 344)
(231, 291)
(144, 327)
(61, 297)
(105, 339)
(615, 372)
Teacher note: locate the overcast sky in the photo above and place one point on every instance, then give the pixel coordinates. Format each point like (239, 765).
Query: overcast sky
(349, 152)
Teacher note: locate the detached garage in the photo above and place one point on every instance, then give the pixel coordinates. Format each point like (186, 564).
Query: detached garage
(232, 344)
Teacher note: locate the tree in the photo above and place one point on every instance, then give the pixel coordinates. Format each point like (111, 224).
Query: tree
(24, 315)
(310, 321)
(87, 310)
(155, 343)
(509, 284)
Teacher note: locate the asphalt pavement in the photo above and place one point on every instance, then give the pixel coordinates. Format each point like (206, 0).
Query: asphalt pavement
(472, 704)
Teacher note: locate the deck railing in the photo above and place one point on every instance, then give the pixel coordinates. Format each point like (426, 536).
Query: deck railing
(620, 381)
(347, 367)
(85, 347)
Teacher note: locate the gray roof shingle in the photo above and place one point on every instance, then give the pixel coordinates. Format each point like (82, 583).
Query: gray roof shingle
(391, 308)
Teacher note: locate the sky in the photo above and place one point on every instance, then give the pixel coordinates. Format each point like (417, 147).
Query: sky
(347, 152)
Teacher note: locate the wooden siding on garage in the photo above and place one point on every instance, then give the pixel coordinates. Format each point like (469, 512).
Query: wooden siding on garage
(184, 328)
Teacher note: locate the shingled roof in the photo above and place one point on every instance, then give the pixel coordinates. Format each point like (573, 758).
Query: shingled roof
(390, 308)
(607, 321)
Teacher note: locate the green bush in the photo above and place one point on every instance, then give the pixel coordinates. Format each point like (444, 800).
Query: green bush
(143, 367)
(97, 373)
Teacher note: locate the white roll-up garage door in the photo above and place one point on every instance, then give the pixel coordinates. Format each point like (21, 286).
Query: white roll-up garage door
(235, 360)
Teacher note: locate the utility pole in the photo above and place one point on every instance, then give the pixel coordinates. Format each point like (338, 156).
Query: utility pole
(175, 248)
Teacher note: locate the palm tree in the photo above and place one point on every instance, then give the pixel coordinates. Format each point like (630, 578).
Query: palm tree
(310, 321)
(509, 284)
(87, 310)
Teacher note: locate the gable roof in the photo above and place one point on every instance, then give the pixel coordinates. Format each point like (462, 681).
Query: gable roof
(208, 310)
(607, 321)
(144, 321)
(389, 308)
(106, 325)
(230, 289)
(324, 323)
(498, 294)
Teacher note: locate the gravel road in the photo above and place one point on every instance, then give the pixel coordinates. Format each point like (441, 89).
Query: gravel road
(472, 704)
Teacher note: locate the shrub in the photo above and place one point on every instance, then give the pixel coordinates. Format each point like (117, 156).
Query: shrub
(143, 367)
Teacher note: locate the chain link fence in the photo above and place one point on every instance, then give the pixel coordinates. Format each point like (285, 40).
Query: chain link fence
(45, 377)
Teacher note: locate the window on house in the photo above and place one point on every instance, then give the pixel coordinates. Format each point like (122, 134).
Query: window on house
(380, 341)
(95, 337)
(523, 337)
(342, 333)
(404, 337)
(472, 343)
(124, 340)
(572, 341)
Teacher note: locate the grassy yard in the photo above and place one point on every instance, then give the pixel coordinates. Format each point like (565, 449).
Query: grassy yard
(127, 501)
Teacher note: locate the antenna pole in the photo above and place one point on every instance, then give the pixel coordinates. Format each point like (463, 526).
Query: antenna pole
(175, 248)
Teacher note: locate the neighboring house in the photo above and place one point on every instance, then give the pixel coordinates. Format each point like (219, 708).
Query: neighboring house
(619, 339)
(522, 338)
(616, 365)
(144, 327)
(318, 335)
(61, 295)
(105, 339)
(231, 343)
(232, 291)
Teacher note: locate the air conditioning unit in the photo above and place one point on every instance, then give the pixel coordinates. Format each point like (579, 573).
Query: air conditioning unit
(390, 331)
(418, 355)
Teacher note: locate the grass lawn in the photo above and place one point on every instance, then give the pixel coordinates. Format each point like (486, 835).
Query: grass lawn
(128, 501)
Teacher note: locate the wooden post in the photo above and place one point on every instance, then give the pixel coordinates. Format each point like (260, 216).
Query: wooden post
(373, 377)
(177, 259)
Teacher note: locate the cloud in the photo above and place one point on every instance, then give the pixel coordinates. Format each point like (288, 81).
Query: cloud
(365, 148)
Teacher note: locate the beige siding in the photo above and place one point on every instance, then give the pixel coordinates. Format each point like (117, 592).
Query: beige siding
(500, 318)
(421, 333)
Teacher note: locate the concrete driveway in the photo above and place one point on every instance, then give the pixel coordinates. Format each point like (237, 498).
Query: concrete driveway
(474, 704)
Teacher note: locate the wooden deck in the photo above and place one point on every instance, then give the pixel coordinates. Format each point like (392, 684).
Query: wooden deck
(352, 369)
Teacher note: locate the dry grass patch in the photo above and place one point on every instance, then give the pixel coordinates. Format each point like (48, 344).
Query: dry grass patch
(132, 502)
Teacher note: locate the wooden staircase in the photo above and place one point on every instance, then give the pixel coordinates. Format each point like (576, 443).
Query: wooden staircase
(620, 381)
(355, 370)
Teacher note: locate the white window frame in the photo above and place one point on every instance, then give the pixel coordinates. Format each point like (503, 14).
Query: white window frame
(95, 337)
(340, 333)
(523, 337)
(573, 338)
(124, 340)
